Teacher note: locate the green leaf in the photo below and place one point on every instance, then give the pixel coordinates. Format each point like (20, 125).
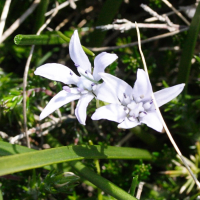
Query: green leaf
(134, 184)
(56, 38)
(100, 182)
(38, 39)
(188, 50)
(35, 159)
(197, 58)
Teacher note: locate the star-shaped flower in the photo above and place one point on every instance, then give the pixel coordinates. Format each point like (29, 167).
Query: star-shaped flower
(86, 84)
(132, 106)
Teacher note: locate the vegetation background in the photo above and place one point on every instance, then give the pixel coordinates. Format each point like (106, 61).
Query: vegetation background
(163, 57)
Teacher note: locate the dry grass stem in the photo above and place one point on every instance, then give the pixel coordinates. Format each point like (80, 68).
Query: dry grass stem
(176, 11)
(4, 16)
(20, 20)
(26, 75)
(161, 118)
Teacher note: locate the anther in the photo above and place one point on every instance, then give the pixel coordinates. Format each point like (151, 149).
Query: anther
(67, 89)
(142, 96)
(71, 73)
(76, 65)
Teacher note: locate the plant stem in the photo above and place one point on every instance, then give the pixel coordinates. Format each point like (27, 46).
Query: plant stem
(38, 39)
(96, 162)
(65, 38)
(105, 185)
(161, 118)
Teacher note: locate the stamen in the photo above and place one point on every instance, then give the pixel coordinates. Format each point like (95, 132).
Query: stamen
(142, 96)
(125, 95)
(76, 65)
(67, 89)
(71, 73)
(86, 71)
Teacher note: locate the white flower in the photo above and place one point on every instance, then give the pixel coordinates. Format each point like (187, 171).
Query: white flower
(86, 84)
(132, 106)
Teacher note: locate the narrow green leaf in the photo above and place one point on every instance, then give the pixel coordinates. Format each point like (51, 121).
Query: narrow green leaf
(40, 14)
(102, 183)
(197, 58)
(188, 50)
(35, 159)
(134, 184)
(108, 11)
(11, 149)
(38, 39)
(51, 39)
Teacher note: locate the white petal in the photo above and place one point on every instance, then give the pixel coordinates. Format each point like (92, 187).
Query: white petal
(104, 93)
(142, 88)
(81, 107)
(126, 124)
(167, 94)
(101, 62)
(118, 86)
(77, 54)
(57, 72)
(152, 120)
(57, 101)
(112, 112)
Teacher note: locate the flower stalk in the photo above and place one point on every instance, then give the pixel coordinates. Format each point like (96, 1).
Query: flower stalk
(161, 118)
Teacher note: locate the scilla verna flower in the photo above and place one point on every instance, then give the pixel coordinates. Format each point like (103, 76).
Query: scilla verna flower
(86, 84)
(132, 106)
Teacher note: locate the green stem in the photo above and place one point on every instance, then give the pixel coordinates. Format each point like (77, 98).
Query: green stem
(68, 39)
(105, 185)
(96, 162)
(38, 39)
(50, 39)
(134, 185)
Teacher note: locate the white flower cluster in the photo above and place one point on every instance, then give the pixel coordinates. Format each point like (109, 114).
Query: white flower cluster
(128, 106)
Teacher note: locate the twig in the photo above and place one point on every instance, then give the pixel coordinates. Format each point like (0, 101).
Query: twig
(96, 49)
(176, 11)
(4, 16)
(139, 191)
(26, 74)
(65, 21)
(152, 12)
(47, 125)
(152, 19)
(20, 20)
(162, 120)
(72, 4)
(127, 25)
(66, 3)
(3, 134)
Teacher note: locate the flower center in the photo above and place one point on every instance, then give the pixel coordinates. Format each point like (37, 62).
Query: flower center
(136, 108)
